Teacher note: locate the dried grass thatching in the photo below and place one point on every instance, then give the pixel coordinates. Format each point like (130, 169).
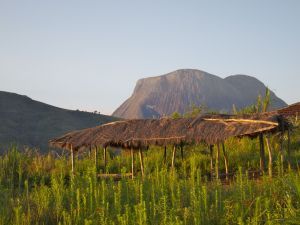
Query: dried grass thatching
(141, 133)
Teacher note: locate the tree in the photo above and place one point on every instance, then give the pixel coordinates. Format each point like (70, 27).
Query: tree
(176, 115)
(267, 100)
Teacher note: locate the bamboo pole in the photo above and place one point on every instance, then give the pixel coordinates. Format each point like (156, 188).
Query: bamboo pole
(262, 153)
(217, 161)
(105, 158)
(270, 169)
(243, 121)
(132, 163)
(211, 148)
(225, 160)
(173, 157)
(141, 161)
(72, 159)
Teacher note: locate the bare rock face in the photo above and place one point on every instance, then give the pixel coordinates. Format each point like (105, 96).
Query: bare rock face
(176, 91)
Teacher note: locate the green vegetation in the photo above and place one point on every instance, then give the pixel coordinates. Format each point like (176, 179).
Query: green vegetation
(262, 105)
(39, 189)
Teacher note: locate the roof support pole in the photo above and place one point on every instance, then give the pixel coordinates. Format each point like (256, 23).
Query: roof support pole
(282, 151)
(181, 151)
(217, 161)
(282, 148)
(72, 159)
(173, 157)
(104, 158)
(211, 149)
(90, 152)
(141, 161)
(225, 160)
(270, 169)
(96, 159)
(165, 155)
(289, 146)
(262, 153)
(132, 163)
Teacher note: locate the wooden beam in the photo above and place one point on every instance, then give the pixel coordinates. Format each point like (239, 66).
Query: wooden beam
(173, 157)
(270, 165)
(217, 161)
(141, 161)
(211, 148)
(225, 160)
(243, 121)
(132, 163)
(262, 153)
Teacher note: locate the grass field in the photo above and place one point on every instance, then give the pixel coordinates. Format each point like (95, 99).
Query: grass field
(39, 189)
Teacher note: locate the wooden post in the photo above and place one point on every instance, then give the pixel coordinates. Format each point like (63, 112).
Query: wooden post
(181, 151)
(96, 160)
(141, 161)
(132, 163)
(289, 146)
(217, 161)
(90, 152)
(104, 158)
(270, 169)
(165, 155)
(72, 159)
(225, 160)
(211, 148)
(173, 157)
(282, 148)
(281, 152)
(262, 153)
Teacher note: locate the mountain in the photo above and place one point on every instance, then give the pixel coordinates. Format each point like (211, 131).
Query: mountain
(178, 90)
(24, 121)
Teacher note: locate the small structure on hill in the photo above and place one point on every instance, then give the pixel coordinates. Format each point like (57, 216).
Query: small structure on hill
(139, 134)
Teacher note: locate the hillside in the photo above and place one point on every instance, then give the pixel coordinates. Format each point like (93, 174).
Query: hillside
(27, 122)
(178, 90)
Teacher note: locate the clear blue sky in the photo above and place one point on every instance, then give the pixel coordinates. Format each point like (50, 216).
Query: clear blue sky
(89, 54)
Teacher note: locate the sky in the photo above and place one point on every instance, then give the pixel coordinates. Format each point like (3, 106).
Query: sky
(88, 55)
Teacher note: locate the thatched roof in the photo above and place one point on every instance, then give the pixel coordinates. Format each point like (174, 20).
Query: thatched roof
(140, 133)
(290, 111)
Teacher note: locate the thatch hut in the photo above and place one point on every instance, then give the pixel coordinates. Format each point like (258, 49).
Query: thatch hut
(138, 134)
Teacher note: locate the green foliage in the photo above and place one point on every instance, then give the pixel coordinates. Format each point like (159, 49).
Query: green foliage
(262, 105)
(194, 111)
(267, 100)
(176, 115)
(39, 189)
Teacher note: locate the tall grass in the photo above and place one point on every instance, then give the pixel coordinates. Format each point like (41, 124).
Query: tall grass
(39, 189)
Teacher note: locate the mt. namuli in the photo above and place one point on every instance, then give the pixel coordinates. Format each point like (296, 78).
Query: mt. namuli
(178, 90)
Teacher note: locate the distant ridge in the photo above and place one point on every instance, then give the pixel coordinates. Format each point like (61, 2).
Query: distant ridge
(24, 121)
(176, 91)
